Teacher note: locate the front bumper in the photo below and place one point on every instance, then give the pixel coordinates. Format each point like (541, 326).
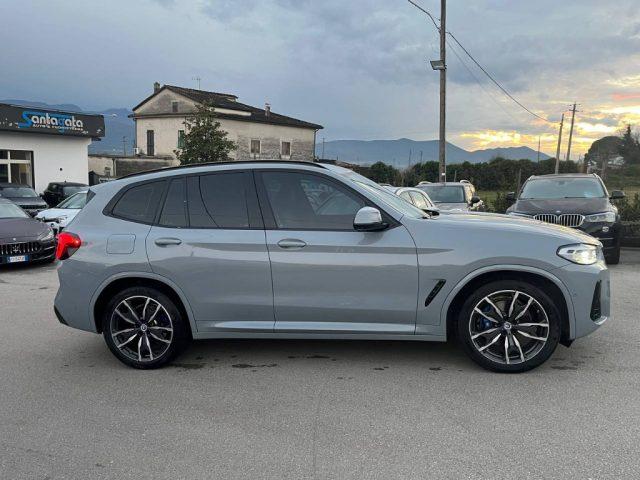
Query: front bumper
(608, 234)
(27, 252)
(584, 283)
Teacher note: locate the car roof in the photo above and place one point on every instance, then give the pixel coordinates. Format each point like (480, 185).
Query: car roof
(69, 184)
(565, 175)
(450, 184)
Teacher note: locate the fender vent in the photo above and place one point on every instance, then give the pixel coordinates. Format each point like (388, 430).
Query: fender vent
(434, 292)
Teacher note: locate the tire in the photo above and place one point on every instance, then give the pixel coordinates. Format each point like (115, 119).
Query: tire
(152, 338)
(488, 339)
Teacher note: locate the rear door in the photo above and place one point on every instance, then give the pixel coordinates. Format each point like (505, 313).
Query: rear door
(209, 240)
(328, 277)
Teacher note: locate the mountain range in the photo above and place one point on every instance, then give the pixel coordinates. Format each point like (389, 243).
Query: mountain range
(399, 153)
(117, 125)
(402, 152)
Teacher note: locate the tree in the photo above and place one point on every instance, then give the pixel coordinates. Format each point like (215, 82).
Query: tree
(204, 140)
(629, 147)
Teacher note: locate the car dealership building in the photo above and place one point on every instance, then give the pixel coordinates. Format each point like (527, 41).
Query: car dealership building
(39, 146)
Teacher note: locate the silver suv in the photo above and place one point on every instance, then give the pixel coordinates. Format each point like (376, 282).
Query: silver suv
(301, 250)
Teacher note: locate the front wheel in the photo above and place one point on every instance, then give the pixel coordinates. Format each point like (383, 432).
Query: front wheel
(143, 328)
(509, 326)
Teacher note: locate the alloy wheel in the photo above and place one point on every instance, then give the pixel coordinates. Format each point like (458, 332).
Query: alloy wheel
(141, 328)
(509, 327)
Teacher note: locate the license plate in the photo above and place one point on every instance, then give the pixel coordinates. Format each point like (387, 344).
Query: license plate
(17, 259)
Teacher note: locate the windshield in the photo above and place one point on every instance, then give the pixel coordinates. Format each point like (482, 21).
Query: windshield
(18, 192)
(393, 200)
(76, 201)
(9, 210)
(71, 190)
(554, 188)
(444, 193)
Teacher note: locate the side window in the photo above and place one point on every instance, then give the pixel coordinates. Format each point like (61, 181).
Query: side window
(218, 201)
(303, 201)
(139, 204)
(419, 200)
(406, 196)
(174, 209)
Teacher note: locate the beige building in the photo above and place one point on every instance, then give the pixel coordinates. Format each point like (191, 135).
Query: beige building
(259, 134)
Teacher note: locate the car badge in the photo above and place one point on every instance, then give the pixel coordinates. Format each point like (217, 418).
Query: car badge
(558, 211)
(14, 239)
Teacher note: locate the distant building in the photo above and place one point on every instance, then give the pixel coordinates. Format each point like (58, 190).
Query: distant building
(260, 134)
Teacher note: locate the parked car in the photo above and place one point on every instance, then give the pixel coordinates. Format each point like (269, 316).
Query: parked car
(22, 238)
(460, 196)
(24, 196)
(415, 197)
(576, 200)
(56, 192)
(59, 217)
(245, 250)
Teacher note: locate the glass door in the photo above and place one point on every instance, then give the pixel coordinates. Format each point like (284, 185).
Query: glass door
(4, 172)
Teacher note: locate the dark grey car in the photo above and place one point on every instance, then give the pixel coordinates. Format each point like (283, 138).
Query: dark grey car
(302, 250)
(22, 238)
(24, 196)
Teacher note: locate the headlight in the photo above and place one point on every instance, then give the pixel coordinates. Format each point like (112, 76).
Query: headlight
(520, 214)
(581, 253)
(48, 235)
(606, 217)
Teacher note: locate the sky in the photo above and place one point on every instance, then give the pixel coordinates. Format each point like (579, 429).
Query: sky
(358, 67)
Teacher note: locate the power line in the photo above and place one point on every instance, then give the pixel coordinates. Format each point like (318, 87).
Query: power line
(494, 80)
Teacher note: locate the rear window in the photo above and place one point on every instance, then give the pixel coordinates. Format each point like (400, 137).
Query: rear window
(218, 200)
(139, 203)
(68, 191)
(174, 212)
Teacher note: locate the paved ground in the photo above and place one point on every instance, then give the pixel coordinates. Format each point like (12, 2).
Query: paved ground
(301, 409)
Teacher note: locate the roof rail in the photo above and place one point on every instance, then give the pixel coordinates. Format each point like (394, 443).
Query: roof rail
(207, 164)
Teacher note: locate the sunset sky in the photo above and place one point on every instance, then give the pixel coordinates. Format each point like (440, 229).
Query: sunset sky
(358, 67)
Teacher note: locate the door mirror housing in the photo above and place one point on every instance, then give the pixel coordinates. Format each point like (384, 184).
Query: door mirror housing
(511, 196)
(617, 195)
(475, 199)
(369, 219)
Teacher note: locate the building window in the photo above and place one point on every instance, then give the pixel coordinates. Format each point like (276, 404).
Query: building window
(285, 149)
(174, 107)
(180, 138)
(255, 147)
(151, 150)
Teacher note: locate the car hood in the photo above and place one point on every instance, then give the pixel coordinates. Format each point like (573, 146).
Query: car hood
(509, 223)
(20, 229)
(52, 213)
(453, 206)
(584, 206)
(28, 201)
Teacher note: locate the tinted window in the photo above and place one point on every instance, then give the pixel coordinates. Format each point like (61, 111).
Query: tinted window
(75, 189)
(419, 200)
(439, 193)
(139, 203)
(301, 201)
(9, 210)
(174, 210)
(218, 200)
(19, 192)
(550, 188)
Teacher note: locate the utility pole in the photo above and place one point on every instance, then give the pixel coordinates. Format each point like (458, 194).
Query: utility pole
(197, 80)
(443, 90)
(124, 146)
(559, 142)
(323, 148)
(538, 148)
(573, 117)
(420, 156)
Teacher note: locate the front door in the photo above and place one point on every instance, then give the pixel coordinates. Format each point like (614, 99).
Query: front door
(328, 277)
(209, 240)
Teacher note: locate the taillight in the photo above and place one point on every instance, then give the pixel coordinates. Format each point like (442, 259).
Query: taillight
(68, 243)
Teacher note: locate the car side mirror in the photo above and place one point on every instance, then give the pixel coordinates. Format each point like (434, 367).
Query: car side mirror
(369, 219)
(475, 199)
(511, 196)
(617, 195)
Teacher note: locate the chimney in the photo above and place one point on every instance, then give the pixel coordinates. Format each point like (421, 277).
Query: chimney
(156, 87)
(267, 109)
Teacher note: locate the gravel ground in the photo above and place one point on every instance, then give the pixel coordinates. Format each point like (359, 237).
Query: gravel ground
(311, 409)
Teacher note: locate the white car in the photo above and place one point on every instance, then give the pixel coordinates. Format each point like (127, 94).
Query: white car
(60, 216)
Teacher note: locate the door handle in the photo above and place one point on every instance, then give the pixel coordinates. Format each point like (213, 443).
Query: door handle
(164, 242)
(291, 243)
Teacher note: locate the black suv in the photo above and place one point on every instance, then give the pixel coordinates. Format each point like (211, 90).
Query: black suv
(576, 200)
(56, 192)
(24, 196)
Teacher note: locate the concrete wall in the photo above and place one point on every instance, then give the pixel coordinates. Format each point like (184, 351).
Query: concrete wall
(55, 158)
(166, 131)
(119, 166)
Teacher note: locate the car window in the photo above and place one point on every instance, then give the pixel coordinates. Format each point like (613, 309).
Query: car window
(19, 192)
(174, 210)
(76, 201)
(555, 188)
(218, 200)
(444, 193)
(71, 190)
(9, 210)
(419, 200)
(303, 201)
(139, 204)
(406, 196)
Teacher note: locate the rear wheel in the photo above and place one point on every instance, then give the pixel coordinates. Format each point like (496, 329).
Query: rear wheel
(143, 328)
(509, 326)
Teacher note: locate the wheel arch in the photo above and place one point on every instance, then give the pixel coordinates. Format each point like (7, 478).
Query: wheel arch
(119, 282)
(541, 278)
